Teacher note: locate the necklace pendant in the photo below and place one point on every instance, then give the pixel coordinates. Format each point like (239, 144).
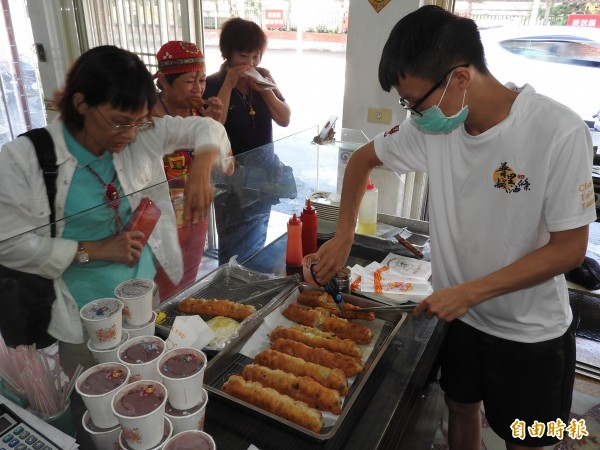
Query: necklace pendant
(112, 195)
(252, 113)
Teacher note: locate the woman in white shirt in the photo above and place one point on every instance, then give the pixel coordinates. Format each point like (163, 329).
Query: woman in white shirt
(109, 152)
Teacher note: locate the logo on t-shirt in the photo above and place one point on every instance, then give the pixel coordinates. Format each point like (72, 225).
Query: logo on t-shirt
(391, 131)
(506, 178)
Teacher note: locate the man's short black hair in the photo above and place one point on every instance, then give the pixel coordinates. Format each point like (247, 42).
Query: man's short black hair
(427, 43)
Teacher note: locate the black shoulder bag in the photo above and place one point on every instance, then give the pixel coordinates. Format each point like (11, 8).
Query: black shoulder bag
(26, 298)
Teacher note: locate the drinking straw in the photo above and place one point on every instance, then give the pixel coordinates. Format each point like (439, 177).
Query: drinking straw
(27, 370)
(66, 390)
(8, 370)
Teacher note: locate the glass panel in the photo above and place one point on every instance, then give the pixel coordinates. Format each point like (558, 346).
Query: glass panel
(251, 208)
(553, 47)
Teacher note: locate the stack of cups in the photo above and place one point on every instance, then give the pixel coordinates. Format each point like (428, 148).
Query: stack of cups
(190, 439)
(97, 387)
(102, 320)
(140, 410)
(109, 354)
(182, 372)
(137, 296)
(139, 354)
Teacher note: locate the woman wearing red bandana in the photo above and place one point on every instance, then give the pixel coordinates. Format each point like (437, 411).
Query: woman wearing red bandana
(181, 80)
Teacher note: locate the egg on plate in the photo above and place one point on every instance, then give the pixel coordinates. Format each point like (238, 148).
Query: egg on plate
(223, 327)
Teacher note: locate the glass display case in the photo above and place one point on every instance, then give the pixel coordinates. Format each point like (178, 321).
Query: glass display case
(249, 214)
(251, 208)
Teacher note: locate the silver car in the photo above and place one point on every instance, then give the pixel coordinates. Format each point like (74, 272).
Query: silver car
(562, 62)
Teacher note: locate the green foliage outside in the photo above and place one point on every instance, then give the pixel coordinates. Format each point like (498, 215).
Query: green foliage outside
(559, 12)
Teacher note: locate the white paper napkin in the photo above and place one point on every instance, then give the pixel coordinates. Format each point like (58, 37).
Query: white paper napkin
(262, 81)
(189, 331)
(408, 266)
(392, 284)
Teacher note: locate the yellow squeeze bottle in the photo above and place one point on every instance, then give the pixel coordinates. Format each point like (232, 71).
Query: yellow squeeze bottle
(367, 213)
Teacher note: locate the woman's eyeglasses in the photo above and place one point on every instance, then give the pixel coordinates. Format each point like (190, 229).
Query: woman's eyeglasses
(412, 108)
(122, 127)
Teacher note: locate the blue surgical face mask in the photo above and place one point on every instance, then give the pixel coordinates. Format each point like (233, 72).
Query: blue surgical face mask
(433, 120)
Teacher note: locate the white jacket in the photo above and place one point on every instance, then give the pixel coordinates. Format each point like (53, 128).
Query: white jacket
(24, 204)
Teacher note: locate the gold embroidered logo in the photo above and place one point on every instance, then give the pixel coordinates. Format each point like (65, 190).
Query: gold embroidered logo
(506, 178)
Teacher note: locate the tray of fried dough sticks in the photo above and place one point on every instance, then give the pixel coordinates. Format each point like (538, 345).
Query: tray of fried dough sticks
(304, 374)
(231, 291)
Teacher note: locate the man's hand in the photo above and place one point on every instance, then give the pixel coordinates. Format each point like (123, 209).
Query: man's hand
(447, 304)
(332, 256)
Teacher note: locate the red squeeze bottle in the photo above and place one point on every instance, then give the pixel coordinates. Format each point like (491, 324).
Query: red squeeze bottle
(309, 229)
(293, 254)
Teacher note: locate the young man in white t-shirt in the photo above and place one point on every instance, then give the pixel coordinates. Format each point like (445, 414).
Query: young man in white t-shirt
(511, 197)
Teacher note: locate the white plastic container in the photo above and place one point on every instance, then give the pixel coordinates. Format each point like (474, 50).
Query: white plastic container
(367, 213)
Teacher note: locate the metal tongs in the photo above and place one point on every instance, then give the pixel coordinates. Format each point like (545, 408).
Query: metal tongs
(404, 307)
(277, 281)
(332, 287)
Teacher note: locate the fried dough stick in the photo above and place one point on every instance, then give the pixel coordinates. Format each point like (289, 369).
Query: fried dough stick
(216, 307)
(272, 401)
(317, 338)
(305, 315)
(304, 389)
(328, 377)
(351, 366)
(348, 330)
(318, 299)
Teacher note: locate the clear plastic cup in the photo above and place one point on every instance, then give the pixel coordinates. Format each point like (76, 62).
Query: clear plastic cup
(307, 262)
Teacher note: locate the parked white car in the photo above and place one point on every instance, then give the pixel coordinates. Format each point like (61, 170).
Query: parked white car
(561, 62)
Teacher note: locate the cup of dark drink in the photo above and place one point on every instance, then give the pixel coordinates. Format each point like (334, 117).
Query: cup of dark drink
(140, 410)
(182, 372)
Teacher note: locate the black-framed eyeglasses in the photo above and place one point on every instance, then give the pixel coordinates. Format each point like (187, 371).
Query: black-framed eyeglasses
(413, 108)
(122, 127)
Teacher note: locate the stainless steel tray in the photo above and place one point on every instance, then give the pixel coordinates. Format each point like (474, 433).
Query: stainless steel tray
(235, 283)
(231, 361)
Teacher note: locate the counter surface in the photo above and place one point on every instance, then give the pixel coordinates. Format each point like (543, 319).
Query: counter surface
(378, 417)
(274, 181)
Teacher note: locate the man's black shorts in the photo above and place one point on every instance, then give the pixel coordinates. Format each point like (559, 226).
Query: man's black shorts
(515, 380)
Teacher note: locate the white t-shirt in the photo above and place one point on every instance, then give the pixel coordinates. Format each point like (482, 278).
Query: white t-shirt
(496, 197)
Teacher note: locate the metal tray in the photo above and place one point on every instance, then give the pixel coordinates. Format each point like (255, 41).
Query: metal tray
(229, 282)
(231, 361)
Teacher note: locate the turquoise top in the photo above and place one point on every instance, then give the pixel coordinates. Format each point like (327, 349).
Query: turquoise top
(97, 279)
